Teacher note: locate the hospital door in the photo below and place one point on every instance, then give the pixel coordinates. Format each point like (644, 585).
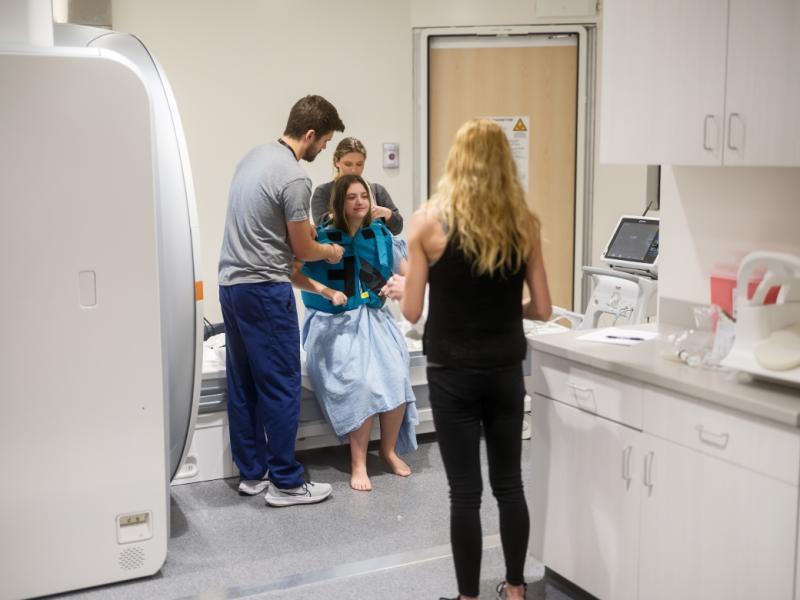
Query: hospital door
(529, 84)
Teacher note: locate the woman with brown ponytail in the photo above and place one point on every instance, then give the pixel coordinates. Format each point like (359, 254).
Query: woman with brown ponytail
(348, 159)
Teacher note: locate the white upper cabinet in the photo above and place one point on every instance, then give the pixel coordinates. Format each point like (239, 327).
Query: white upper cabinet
(662, 81)
(763, 89)
(715, 82)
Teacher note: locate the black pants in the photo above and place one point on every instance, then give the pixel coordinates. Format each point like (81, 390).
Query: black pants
(462, 400)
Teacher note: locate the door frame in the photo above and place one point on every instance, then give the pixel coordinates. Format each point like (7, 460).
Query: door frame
(585, 118)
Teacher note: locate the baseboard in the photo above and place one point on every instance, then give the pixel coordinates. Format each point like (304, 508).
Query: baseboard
(566, 586)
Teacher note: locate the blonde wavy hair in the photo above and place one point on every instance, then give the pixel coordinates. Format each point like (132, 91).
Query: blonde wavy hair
(481, 200)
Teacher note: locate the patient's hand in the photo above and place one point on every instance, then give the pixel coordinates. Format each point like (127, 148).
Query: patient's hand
(337, 298)
(394, 288)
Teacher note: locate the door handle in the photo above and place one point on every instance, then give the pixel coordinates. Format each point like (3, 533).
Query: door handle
(584, 397)
(577, 388)
(730, 130)
(718, 440)
(626, 463)
(649, 469)
(706, 145)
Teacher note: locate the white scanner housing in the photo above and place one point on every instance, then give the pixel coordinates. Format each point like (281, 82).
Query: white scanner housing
(101, 315)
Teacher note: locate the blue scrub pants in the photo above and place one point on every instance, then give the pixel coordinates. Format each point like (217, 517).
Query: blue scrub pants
(263, 372)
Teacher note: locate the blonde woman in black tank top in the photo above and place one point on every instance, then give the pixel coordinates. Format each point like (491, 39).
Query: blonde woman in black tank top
(477, 244)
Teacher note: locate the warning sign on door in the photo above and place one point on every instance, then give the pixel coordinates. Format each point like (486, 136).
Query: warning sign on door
(517, 130)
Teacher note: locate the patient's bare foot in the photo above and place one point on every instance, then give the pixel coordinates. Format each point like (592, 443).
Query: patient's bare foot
(359, 480)
(396, 464)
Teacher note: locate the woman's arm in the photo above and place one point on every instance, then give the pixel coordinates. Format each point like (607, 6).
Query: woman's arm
(304, 282)
(402, 269)
(539, 307)
(320, 202)
(417, 272)
(393, 219)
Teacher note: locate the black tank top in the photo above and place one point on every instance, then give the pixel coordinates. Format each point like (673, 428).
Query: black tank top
(474, 321)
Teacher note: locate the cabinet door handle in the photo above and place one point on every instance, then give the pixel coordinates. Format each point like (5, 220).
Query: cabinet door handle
(718, 440)
(577, 388)
(626, 463)
(730, 130)
(584, 397)
(649, 469)
(706, 145)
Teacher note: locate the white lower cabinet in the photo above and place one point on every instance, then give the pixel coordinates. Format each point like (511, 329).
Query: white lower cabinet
(585, 498)
(712, 529)
(700, 503)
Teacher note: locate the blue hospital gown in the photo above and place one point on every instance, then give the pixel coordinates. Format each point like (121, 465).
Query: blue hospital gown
(357, 362)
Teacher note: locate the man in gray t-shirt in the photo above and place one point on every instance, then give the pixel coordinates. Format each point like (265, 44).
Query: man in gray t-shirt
(266, 229)
(269, 190)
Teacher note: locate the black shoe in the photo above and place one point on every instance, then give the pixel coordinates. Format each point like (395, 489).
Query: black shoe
(501, 590)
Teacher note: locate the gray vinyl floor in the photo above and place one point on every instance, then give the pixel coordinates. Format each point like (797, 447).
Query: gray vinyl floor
(391, 543)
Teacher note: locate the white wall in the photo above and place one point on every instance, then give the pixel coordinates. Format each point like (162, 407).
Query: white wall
(712, 216)
(619, 190)
(237, 67)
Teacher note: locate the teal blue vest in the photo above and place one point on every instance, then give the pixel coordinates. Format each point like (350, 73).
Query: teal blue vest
(364, 269)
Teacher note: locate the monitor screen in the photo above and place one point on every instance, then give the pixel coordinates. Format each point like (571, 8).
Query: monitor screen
(636, 240)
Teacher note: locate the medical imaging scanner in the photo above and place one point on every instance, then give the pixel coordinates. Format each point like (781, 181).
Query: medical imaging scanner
(626, 290)
(102, 299)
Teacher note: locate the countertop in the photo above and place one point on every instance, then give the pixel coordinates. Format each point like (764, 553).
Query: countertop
(642, 362)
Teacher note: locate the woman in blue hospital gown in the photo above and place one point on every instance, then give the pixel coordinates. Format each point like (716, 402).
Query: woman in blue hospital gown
(356, 356)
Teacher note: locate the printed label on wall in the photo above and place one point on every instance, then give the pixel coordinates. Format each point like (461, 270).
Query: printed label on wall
(517, 130)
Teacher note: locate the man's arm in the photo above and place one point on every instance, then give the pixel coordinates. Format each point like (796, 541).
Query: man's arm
(301, 234)
(306, 248)
(304, 282)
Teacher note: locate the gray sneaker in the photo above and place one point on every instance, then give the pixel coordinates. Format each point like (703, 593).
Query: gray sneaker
(251, 487)
(308, 493)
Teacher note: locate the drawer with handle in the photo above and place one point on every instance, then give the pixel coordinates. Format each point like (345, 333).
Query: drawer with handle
(748, 441)
(594, 391)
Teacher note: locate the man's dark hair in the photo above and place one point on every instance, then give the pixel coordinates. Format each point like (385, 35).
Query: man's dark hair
(312, 112)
